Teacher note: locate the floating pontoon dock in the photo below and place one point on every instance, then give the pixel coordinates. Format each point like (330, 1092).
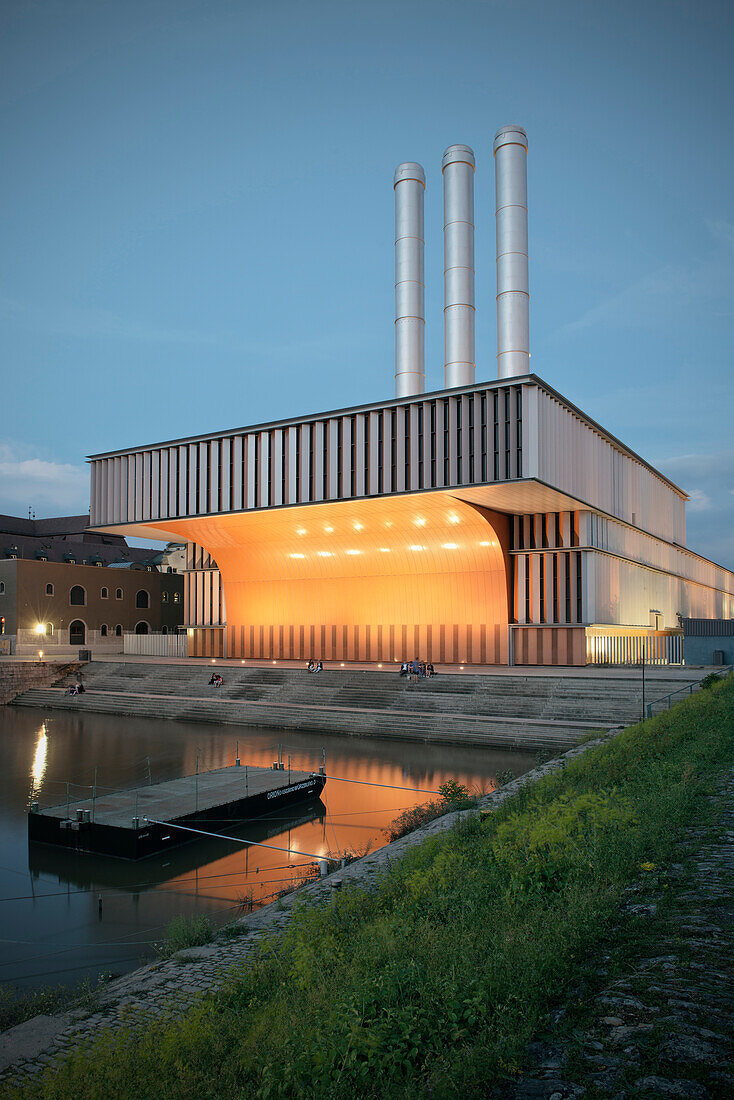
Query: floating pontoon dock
(118, 824)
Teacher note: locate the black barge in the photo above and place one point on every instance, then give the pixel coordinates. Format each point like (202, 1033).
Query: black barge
(138, 823)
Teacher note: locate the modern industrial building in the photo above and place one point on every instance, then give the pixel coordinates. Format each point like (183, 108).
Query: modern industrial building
(488, 522)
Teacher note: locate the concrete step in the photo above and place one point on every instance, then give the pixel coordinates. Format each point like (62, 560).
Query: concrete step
(284, 697)
(461, 729)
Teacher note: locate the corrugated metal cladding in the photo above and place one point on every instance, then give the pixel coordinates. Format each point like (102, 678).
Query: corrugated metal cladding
(203, 595)
(481, 436)
(469, 438)
(547, 587)
(708, 628)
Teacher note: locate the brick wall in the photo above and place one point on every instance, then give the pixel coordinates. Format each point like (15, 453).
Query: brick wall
(17, 676)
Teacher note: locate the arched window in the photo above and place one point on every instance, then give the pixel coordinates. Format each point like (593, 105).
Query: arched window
(164, 630)
(118, 631)
(177, 597)
(49, 590)
(105, 593)
(49, 630)
(77, 632)
(142, 628)
(118, 593)
(77, 596)
(142, 598)
(164, 597)
(2, 588)
(103, 630)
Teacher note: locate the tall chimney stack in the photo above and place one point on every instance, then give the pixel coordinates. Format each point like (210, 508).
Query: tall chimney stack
(458, 266)
(410, 309)
(513, 291)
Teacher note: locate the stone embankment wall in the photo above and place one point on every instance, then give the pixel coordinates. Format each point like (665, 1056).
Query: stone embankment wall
(18, 676)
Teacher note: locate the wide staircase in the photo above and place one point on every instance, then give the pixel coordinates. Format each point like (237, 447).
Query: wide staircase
(506, 709)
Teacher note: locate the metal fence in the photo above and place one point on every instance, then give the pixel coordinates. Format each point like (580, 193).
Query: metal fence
(157, 645)
(657, 648)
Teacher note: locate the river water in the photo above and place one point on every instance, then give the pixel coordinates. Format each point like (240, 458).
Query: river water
(52, 928)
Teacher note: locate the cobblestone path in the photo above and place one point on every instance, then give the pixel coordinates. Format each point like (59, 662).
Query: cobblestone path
(663, 1025)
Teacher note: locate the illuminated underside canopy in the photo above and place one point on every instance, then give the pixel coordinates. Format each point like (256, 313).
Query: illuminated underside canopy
(387, 579)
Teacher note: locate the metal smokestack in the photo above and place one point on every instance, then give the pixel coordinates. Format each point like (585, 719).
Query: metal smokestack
(458, 265)
(513, 290)
(410, 310)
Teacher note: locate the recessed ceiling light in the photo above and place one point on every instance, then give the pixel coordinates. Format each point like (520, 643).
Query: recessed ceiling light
(453, 518)
(450, 545)
(353, 552)
(300, 530)
(297, 555)
(416, 547)
(384, 549)
(359, 527)
(325, 554)
(420, 521)
(329, 530)
(485, 544)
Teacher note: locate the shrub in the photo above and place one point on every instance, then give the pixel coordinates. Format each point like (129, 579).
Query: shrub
(409, 820)
(453, 792)
(454, 796)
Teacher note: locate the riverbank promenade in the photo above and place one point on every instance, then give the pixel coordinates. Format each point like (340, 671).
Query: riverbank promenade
(505, 708)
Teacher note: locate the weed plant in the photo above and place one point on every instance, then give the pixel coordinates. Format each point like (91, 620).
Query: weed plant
(454, 796)
(432, 983)
(18, 1005)
(183, 932)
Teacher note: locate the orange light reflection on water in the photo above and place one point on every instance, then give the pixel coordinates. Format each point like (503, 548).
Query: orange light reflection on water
(353, 820)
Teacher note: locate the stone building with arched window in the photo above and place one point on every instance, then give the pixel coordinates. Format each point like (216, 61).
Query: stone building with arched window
(49, 601)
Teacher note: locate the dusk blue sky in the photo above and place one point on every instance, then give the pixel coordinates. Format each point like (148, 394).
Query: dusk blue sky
(197, 218)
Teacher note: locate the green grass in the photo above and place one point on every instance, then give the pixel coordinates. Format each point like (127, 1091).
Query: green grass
(183, 932)
(18, 1005)
(433, 983)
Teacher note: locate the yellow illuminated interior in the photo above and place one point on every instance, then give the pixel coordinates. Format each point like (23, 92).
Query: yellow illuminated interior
(384, 579)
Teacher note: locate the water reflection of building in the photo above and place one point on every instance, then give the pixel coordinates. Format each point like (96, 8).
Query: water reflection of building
(476, 524)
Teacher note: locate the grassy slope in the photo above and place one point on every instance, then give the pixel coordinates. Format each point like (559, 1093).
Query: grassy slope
(435, 983)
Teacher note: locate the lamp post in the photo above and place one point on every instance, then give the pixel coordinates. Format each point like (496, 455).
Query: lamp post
(643, 681)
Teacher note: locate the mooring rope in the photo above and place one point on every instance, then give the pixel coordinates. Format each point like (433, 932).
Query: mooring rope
(234, 839)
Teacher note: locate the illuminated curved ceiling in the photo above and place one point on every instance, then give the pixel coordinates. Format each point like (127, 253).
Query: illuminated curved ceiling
(428, 562)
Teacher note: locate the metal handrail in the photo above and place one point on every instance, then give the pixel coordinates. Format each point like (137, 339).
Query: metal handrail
(688, 687)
